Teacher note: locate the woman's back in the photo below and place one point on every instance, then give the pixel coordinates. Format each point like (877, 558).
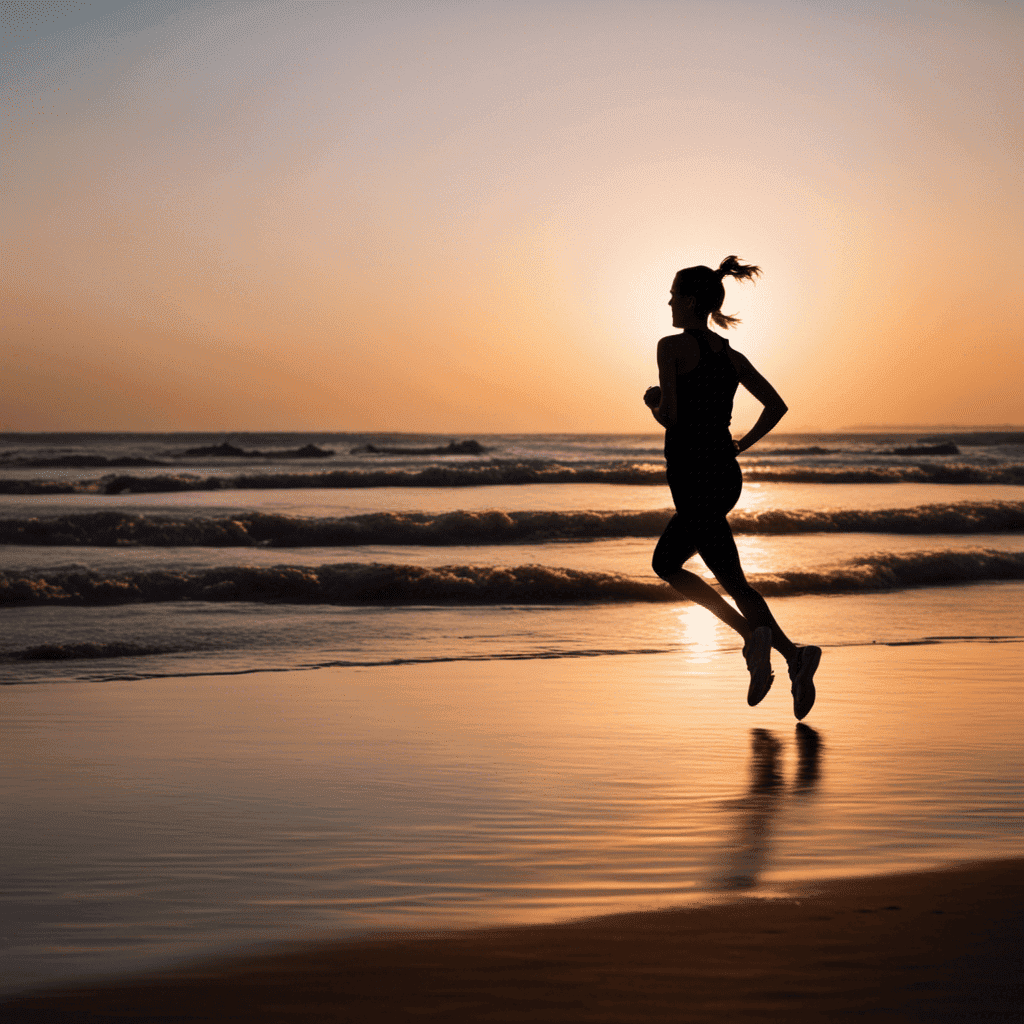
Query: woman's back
(704, 397)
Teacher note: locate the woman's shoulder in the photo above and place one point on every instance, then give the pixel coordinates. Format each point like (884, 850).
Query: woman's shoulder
(679, 343)
(681, 349)
(739, 361)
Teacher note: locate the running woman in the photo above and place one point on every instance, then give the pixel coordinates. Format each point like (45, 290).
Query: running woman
(699, 374)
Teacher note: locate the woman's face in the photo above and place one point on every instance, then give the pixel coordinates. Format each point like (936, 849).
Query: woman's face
(681, 306)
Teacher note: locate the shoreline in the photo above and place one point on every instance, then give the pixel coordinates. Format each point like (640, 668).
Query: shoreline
(938, 945)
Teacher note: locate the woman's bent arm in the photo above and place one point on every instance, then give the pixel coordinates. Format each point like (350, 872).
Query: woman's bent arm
(666, 411)
(774, 407)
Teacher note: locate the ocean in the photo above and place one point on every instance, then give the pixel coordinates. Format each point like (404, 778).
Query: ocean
(263, 686)
(124, 557)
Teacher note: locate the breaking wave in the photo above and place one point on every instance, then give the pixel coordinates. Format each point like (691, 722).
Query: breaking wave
(896, 571)
(346, 584)
(948, 473)
(386, 584)
(88, 650)
(961, 518)
(109, 529)
(495, 473)
(477, 475)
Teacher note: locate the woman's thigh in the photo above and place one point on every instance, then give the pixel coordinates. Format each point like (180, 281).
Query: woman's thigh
(676, 545)
(717, 547)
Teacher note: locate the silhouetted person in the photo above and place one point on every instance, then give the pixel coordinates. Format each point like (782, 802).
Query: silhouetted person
(699, 374)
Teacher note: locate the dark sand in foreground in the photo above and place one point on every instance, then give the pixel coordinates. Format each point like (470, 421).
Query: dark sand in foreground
(933, 946)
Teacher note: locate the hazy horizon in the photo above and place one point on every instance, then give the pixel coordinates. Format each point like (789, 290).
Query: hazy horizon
(781, 431)
(457, 217)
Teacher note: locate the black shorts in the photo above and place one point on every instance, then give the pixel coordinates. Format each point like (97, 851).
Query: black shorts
(704, 487)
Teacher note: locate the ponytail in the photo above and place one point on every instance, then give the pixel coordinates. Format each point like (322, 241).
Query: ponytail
(723, 320)
(705, 285)
(731, 267)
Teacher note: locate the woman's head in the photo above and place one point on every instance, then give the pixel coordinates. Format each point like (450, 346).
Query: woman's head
(705, 286)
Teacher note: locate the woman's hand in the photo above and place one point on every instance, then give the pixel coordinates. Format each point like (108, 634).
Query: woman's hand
(652, 397)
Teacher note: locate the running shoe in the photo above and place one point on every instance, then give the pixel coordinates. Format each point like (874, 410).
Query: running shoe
(801, 673)
(758, 653)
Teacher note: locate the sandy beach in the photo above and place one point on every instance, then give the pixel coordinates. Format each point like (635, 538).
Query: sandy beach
(409, 842)
(929, 947)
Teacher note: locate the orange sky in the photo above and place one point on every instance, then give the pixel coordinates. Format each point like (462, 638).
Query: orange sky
(464, 216)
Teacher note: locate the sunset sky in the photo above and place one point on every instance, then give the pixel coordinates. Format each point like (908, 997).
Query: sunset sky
(464, 215)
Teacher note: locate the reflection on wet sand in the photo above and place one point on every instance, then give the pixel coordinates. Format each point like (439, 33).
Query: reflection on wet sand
(758, 809)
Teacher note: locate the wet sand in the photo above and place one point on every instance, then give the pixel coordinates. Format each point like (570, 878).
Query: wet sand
(156, 824)
(930, 947)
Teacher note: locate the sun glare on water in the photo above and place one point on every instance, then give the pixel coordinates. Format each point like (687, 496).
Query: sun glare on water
(699, 631)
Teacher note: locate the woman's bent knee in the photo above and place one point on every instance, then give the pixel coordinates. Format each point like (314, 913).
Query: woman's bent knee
(665, 567)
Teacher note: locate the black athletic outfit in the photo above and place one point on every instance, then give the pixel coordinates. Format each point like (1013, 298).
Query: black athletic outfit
(705, 480)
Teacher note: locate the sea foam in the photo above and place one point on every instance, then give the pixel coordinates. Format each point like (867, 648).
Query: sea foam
(110, 529)
(396, 584)
(499, 473)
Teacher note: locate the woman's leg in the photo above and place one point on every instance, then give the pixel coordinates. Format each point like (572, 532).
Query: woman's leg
(717, 547)
(676, 545)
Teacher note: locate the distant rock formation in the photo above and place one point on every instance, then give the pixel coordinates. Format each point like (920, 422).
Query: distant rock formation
(452, 448)
(309, 451)
(220, 451)
(229, 451)
(947, 448)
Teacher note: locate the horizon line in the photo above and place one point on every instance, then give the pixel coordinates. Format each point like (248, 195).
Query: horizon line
(859, 428)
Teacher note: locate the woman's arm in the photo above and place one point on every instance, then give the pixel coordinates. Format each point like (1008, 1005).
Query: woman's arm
(662, 400)
(774, 407)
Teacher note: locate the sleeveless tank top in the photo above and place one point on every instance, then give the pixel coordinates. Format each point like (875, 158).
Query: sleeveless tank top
(704, 399)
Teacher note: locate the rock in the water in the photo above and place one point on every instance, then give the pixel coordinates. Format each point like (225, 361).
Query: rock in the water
(229, 451)
(452, 448)
(221, 451)
(309, 451)
(946, 448)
